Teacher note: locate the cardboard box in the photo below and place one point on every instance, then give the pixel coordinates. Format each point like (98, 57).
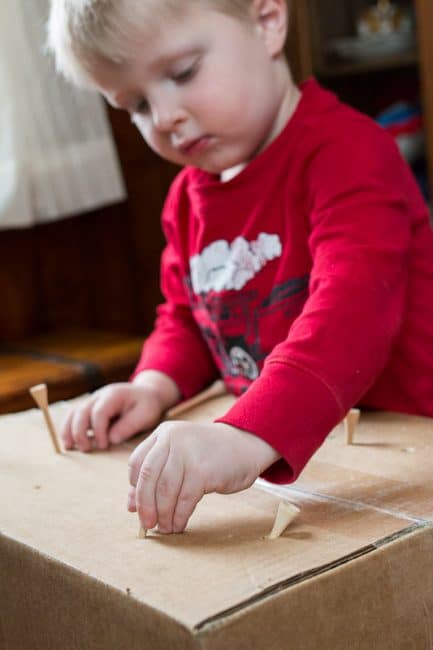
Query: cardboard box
(353, 571)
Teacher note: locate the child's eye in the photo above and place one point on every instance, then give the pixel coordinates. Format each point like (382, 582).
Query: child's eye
(184, 75)
(142, 106)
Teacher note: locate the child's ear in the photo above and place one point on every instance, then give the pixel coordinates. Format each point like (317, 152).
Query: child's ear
(271, 18)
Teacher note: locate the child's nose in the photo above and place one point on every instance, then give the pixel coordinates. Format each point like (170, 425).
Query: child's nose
(166, 116)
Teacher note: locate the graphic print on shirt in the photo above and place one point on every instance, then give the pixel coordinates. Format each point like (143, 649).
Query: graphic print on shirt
(236, 321)
(223, 266)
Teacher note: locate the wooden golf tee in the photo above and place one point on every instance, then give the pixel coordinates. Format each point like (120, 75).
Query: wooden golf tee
(215, 390)
(40, 395)
(350, 422)
(142, 533)
(286, 513)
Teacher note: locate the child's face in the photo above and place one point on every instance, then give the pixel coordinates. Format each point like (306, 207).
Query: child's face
(203, 91)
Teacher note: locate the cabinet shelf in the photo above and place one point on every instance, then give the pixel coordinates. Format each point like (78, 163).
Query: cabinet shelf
(335, 67)
(316, 24)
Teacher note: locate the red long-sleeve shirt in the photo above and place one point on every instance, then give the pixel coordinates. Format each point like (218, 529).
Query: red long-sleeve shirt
(306, 281)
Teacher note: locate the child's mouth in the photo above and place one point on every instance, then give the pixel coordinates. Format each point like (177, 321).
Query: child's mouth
(195, 146)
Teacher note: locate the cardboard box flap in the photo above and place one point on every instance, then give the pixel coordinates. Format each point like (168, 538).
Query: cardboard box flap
(381, 600)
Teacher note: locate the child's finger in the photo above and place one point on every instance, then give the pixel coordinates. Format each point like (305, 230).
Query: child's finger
(80, 425)
(167, 492)
(103, 410)
(148, 476)
(137, 457)
(131, 500)
(190, 494)
(127, 425)
(65, 431)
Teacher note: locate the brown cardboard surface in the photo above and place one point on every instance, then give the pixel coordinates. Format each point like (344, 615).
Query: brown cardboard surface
(359, 553)
(389, 466)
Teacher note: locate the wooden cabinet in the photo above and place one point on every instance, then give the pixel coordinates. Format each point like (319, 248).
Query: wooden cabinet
(79, 294)
(424, 10)
(364, 81)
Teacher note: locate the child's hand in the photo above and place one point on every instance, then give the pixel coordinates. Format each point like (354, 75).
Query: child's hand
(181, 461)
(114, 413)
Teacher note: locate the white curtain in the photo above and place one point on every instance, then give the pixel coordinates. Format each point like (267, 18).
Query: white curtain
(57, 157)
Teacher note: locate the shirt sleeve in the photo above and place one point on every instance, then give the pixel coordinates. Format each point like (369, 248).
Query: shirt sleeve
(360, 230)
(176, 346)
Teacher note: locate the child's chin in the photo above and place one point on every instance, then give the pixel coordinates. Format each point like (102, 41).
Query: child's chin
(210, 169)
(214, 168)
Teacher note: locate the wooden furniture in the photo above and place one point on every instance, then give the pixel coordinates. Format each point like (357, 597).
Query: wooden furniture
(425, 26)
(362, 83)
(79, 295)
(70, 362)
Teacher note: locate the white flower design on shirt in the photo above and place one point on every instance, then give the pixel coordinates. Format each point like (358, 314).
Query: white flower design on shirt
(223, 266)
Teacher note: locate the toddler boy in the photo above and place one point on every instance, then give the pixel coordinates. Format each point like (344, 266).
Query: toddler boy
(299, 256)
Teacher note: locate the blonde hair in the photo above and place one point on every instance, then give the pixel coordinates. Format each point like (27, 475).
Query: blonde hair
(82, 32)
